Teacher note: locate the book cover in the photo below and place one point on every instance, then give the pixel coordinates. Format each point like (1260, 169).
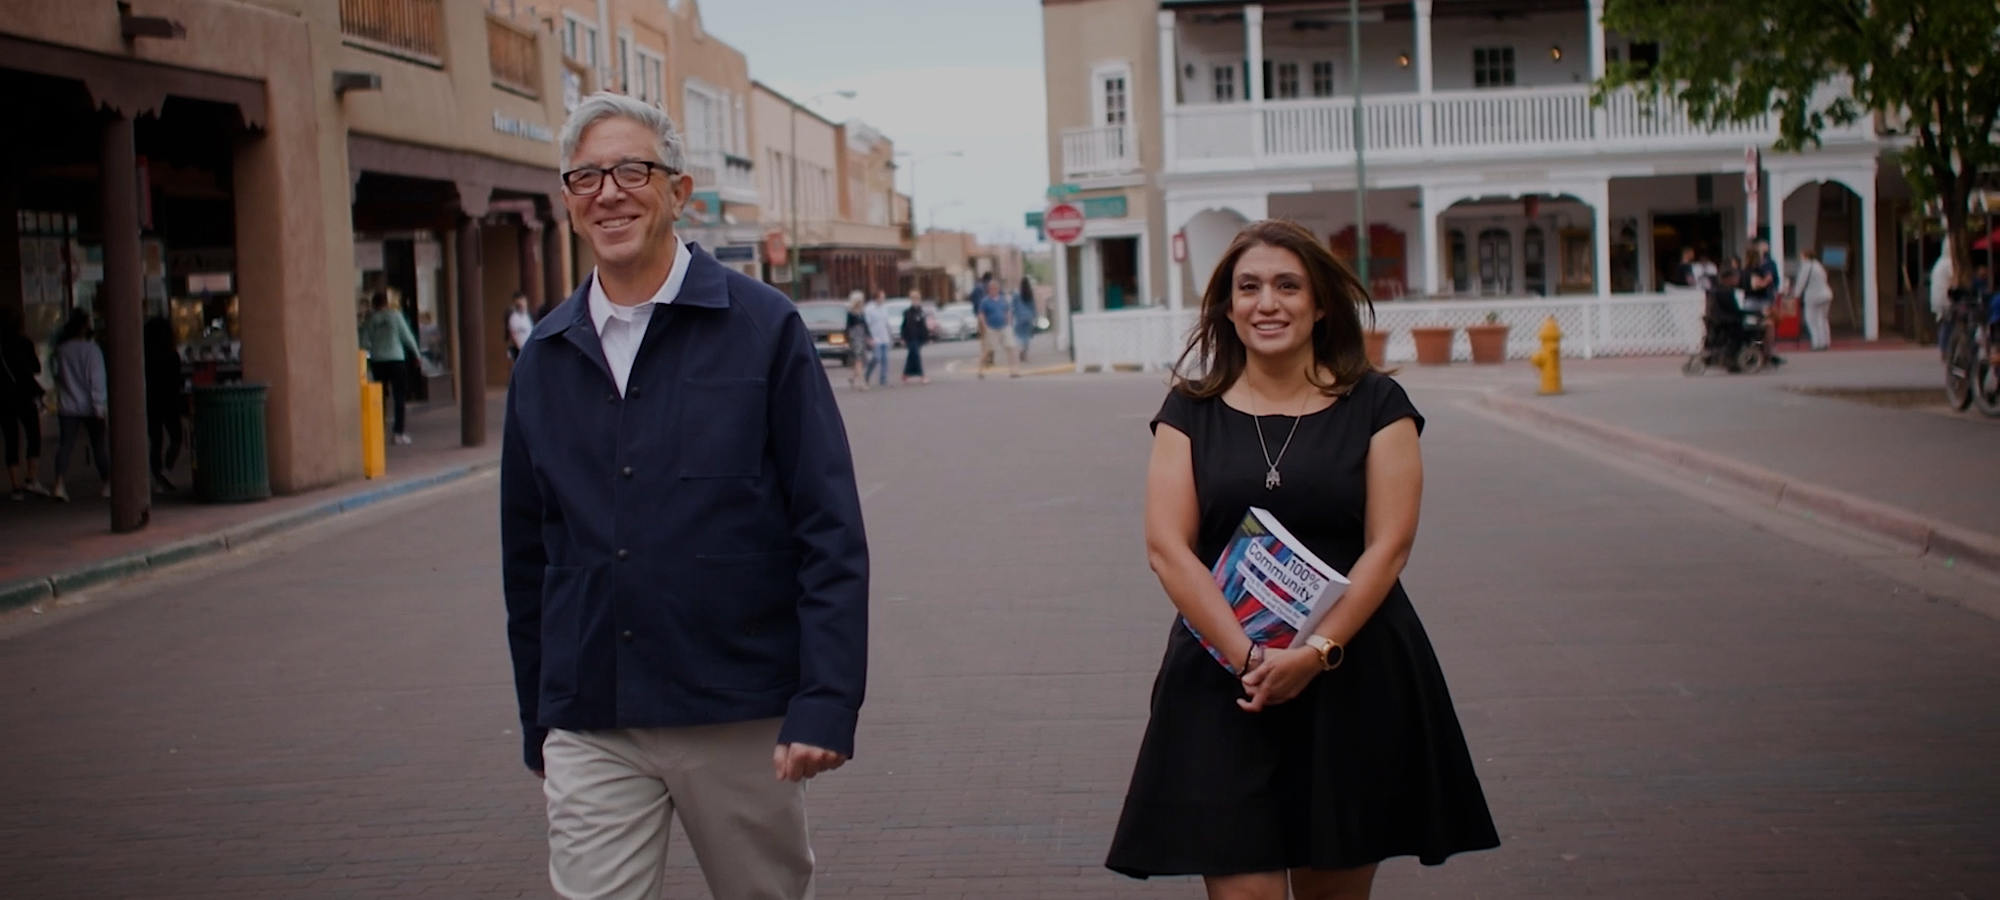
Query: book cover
(1277, 588)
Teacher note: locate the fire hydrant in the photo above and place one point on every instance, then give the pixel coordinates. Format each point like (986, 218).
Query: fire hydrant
(1549, 358)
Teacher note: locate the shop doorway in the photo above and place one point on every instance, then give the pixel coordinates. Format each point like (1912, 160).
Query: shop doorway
(1673, 231)
(1118, 259)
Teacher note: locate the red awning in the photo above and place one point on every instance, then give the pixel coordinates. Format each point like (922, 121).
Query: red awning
(1988, 242)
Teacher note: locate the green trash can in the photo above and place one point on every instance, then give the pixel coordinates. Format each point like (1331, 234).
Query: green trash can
(229, 460)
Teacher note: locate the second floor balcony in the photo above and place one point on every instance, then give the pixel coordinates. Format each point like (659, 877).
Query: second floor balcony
(1442, 81)
(1099, 151)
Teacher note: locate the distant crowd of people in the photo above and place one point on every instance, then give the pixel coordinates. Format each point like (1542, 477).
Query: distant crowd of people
(81, 402)
(1006, 321)
(1755, 285)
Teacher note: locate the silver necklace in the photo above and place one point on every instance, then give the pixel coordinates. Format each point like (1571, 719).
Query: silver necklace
(1271, 477)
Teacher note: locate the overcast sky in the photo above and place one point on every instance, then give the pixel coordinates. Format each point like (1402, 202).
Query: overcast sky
(933, 75)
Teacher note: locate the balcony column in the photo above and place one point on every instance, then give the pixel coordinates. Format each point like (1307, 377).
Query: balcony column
(1427, 219)
(555, 287)
(124, 313)
(1871, 279)
(1597, 63)
(1253, 38)
(1170, 80)
(473, 200)
(1599, 197)
(528, 253)
(1425, 72)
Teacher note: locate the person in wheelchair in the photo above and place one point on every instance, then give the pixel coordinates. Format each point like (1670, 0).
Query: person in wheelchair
(1732, 336)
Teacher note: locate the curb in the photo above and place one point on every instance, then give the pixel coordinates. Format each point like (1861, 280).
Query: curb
(1951, 542)
(29, 591)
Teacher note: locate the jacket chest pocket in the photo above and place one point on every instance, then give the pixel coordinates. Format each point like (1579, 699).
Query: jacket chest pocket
(722, 427)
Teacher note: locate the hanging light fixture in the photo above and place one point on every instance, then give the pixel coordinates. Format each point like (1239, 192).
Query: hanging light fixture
(1555, 53)
(1403, 60)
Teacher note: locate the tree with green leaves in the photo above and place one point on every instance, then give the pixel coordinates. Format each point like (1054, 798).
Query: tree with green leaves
(1932, 65)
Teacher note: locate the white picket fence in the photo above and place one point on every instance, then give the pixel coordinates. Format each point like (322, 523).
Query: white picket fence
(1622, 325)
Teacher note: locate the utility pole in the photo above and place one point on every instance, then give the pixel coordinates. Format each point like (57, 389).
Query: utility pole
(1360, 146)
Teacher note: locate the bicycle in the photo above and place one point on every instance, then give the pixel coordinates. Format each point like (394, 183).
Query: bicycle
(1971, 374)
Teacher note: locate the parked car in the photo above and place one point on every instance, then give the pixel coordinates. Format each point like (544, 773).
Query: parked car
(956, 323)
(827, 320)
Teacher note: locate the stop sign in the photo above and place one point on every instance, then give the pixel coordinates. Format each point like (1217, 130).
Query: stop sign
(1063, 222)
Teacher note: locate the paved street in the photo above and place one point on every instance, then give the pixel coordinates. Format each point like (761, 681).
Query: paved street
(1664, 699)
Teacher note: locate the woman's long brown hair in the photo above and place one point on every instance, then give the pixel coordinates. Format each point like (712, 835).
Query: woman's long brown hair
(1337, 345)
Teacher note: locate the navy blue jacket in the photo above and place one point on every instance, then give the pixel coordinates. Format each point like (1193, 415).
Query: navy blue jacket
(692, 552)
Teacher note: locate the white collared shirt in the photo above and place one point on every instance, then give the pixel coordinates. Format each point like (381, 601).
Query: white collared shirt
(620, 329)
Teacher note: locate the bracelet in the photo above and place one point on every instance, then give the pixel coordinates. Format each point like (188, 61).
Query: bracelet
(1252, 657)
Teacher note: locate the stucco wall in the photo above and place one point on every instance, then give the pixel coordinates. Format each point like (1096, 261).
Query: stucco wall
(293, 248)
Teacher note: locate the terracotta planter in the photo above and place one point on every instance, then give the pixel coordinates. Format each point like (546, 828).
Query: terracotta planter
(1433, 345)
(1377, 344)
(1489, 344)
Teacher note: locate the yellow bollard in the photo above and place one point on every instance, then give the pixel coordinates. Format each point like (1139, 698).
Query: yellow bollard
(1549, 358)
(374, 437)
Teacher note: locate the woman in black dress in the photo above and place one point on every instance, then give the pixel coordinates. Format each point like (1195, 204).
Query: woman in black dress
(1311, 763)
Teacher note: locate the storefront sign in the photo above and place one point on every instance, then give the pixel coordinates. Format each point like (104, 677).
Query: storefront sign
(1112, 207)
(1063, 190)
(736, 253)
(506, 124)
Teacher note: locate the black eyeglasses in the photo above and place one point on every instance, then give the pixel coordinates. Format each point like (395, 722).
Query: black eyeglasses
(631, 175)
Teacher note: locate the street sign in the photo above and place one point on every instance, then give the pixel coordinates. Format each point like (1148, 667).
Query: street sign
(1064, 223)
(1063, 190)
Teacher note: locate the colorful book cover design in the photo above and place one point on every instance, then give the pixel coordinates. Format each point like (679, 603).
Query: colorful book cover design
(1273, 583)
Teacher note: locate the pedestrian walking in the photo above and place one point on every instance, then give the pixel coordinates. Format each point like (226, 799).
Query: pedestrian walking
(859, 355)
(1024, 317)
(385, 334)
(520, 324)
(82, 402)
(1311, 763)
(1816, 294)
(166, 401)
(21, 395)
(881, 338)
(685, 571)
(996, 333)
(916, 330)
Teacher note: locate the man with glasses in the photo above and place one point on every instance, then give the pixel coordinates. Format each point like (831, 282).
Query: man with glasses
(685, 571)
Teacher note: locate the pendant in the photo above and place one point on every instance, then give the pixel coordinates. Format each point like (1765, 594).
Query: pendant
(1271, 479)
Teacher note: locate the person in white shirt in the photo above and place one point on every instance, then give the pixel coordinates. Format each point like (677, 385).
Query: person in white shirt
(520, 324)
(1941, 278)
(1816, 293)
(880, 338)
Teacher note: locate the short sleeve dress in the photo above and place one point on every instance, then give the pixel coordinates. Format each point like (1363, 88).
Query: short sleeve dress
(1368, 762)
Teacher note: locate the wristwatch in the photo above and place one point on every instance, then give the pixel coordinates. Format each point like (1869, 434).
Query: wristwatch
(1331, 653)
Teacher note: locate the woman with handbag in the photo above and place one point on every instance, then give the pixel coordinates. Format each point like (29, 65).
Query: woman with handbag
(1816, 292)
(1306, 766)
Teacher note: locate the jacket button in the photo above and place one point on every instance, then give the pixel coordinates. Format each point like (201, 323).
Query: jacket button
(627, 635)
(624, 554)
(632, 394)
(627, 471)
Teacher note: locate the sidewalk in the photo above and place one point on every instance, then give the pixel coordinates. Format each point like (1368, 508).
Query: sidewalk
(49, 548)
(1861, 437)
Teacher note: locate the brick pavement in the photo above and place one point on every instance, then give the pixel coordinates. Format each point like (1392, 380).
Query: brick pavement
(1664, 702)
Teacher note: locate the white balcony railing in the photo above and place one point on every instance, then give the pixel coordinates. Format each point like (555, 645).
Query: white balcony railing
(1106, 150)
(1445, 126)
(1605, 325)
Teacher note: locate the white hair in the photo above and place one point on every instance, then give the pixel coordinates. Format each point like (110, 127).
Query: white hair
(667, 141)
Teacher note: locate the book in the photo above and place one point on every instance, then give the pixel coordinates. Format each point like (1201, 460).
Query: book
(1277, 588)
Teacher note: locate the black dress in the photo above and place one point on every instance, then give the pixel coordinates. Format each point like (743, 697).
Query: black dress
(1368, 761)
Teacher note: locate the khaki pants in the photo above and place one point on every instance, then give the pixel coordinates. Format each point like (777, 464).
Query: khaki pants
(612, 796)
(996, 344)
